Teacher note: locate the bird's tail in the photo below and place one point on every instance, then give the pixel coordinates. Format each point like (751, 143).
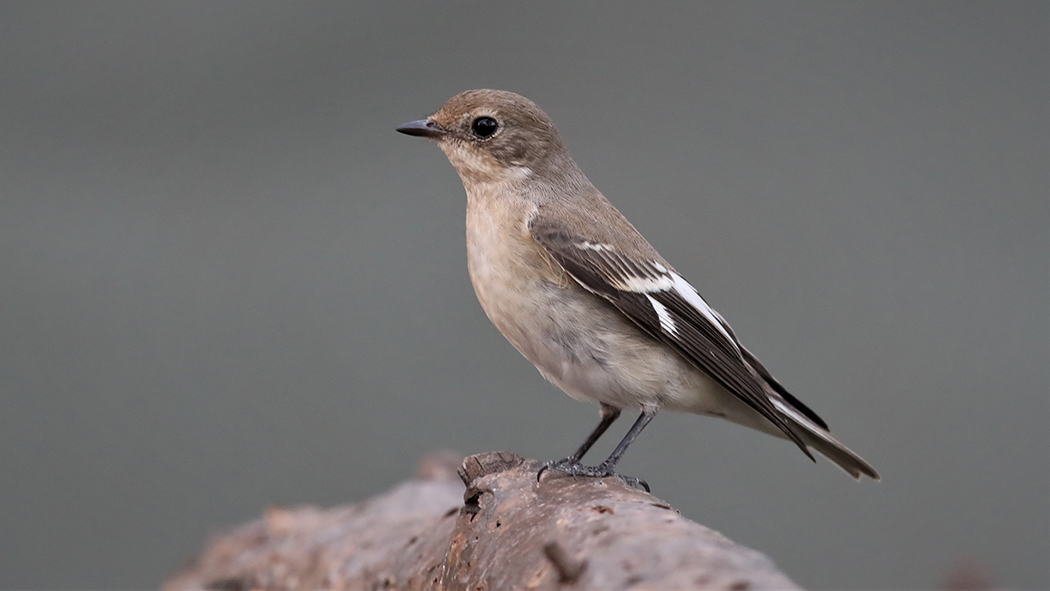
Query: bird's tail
(817, 437)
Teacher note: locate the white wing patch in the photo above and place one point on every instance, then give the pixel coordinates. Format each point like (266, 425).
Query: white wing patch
(638, 277)
(595, 247)
(646, 284)
(689, 293)
(646, 277)
(666, 322)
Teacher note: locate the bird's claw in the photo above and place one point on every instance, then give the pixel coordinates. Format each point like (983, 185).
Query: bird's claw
(574, 468)
(633, 482)
(569, 465)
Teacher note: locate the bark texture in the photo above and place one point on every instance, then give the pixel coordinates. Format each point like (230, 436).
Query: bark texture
(504, 531)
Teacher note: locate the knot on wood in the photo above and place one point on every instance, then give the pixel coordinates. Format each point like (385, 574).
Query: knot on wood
(568, 568)
(492, 462)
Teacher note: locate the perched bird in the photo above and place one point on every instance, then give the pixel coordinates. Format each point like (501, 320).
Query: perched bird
(583, 296)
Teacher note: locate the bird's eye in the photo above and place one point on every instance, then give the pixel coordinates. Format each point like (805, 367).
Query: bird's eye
(484, 127)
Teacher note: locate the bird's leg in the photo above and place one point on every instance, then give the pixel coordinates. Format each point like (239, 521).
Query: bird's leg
(572, 463)
(609, 414)
(606, 468)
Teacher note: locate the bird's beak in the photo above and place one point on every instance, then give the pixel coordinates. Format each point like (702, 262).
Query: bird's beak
(423, 128)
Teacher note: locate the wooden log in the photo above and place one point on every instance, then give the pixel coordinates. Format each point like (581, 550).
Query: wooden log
(506, 530)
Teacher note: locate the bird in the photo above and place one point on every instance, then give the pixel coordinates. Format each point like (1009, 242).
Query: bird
(581, 294)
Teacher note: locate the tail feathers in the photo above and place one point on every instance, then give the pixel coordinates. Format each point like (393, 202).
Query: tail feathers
(821, 440)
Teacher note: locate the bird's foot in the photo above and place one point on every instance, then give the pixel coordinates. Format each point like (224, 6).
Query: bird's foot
(574, 468)
(569, 465)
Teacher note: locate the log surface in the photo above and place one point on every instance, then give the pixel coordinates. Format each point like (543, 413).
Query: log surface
(505, 530)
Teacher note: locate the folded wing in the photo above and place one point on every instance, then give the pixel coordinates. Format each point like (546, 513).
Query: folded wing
(668, 308)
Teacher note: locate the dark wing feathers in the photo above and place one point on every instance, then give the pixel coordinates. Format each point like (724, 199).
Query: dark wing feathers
(676, 303)
(773, 383)
(632, 285)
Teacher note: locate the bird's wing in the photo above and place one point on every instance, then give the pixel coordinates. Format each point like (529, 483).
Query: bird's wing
(665, 306)
(779, 389)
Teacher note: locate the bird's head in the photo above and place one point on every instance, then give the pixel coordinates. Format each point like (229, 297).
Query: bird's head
(494, 136)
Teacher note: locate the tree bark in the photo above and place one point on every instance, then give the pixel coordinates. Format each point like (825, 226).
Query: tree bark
(505, 531)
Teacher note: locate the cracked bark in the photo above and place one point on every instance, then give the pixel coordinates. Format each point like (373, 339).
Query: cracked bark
(505, 531)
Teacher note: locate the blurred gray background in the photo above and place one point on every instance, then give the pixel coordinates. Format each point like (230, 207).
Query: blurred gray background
(226, 282)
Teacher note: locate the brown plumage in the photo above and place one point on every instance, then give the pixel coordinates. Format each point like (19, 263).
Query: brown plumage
(580, 293)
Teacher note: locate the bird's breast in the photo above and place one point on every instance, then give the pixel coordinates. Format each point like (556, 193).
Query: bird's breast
(563, 330)
(506, 267)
